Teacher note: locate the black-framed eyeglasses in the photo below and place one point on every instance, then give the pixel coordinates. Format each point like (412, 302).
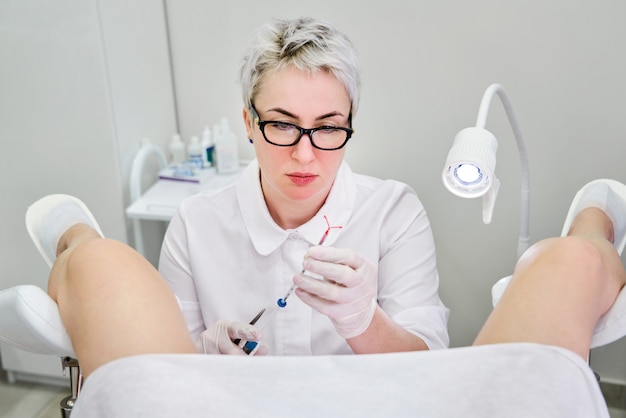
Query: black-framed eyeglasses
(283, 134)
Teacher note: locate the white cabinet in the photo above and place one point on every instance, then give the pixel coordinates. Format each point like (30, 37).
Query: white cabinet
(82, 83)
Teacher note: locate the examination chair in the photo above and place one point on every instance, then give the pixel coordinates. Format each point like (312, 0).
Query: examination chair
(513, 380)
(30, 320)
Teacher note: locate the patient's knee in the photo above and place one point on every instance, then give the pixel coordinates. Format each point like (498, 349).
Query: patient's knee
(565, 257)
(94, 256)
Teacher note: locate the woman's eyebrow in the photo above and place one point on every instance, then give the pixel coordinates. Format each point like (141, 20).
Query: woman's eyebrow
(330, 115)
(291, 115)
(282, 112)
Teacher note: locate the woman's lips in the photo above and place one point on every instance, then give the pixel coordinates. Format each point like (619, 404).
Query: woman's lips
(302, 179)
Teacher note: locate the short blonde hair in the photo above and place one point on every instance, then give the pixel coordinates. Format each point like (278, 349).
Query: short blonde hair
(307, 44)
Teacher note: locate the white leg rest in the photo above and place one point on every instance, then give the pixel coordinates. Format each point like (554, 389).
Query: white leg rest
(611, 326)
(30, 320)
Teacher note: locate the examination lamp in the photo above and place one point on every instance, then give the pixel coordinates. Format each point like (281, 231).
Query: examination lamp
(470, 168)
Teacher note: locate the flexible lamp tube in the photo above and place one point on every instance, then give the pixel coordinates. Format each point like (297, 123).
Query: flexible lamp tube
(469, 171)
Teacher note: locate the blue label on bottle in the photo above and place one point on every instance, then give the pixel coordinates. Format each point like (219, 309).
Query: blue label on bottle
(209, 154)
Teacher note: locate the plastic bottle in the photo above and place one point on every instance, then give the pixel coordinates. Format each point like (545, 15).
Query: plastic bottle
(194, 152)
(208, 147)
(226, 153)
(177, 150)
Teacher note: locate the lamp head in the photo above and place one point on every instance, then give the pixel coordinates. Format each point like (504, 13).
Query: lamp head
(470, 167)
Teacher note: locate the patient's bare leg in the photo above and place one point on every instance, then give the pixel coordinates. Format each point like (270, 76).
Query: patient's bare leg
(560, 288)
(112, 301)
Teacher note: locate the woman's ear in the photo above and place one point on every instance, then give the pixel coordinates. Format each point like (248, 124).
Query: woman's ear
(247, 120)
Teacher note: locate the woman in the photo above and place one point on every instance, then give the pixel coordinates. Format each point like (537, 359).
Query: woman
(229, 254)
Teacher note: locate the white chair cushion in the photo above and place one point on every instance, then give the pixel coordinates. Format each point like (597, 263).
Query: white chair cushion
(30, 320)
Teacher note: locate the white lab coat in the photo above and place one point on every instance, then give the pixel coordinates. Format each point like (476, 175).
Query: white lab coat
(225, 258)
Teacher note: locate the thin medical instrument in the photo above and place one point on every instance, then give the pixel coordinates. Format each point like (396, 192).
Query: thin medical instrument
(256, 318)
(249, 346)
(282, 302)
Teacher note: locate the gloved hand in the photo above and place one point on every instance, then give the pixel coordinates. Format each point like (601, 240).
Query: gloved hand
(220, 338)
(347, 294)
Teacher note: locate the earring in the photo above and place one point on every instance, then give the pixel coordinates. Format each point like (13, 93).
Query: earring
(251, 140)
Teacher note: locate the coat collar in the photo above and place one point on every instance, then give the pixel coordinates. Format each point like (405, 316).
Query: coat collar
(267, 236)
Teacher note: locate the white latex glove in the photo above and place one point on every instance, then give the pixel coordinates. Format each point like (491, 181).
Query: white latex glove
(347, 294)
(220, 338)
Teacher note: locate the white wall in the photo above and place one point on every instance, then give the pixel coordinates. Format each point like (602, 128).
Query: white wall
(426, 65)
(135, 45)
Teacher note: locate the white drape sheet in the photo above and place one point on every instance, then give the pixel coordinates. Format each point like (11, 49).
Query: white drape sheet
(507, 380)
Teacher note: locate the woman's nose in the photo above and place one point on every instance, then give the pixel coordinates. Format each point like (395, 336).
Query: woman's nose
(304, 151)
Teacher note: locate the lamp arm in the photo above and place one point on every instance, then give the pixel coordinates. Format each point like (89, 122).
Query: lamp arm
(481, 120)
